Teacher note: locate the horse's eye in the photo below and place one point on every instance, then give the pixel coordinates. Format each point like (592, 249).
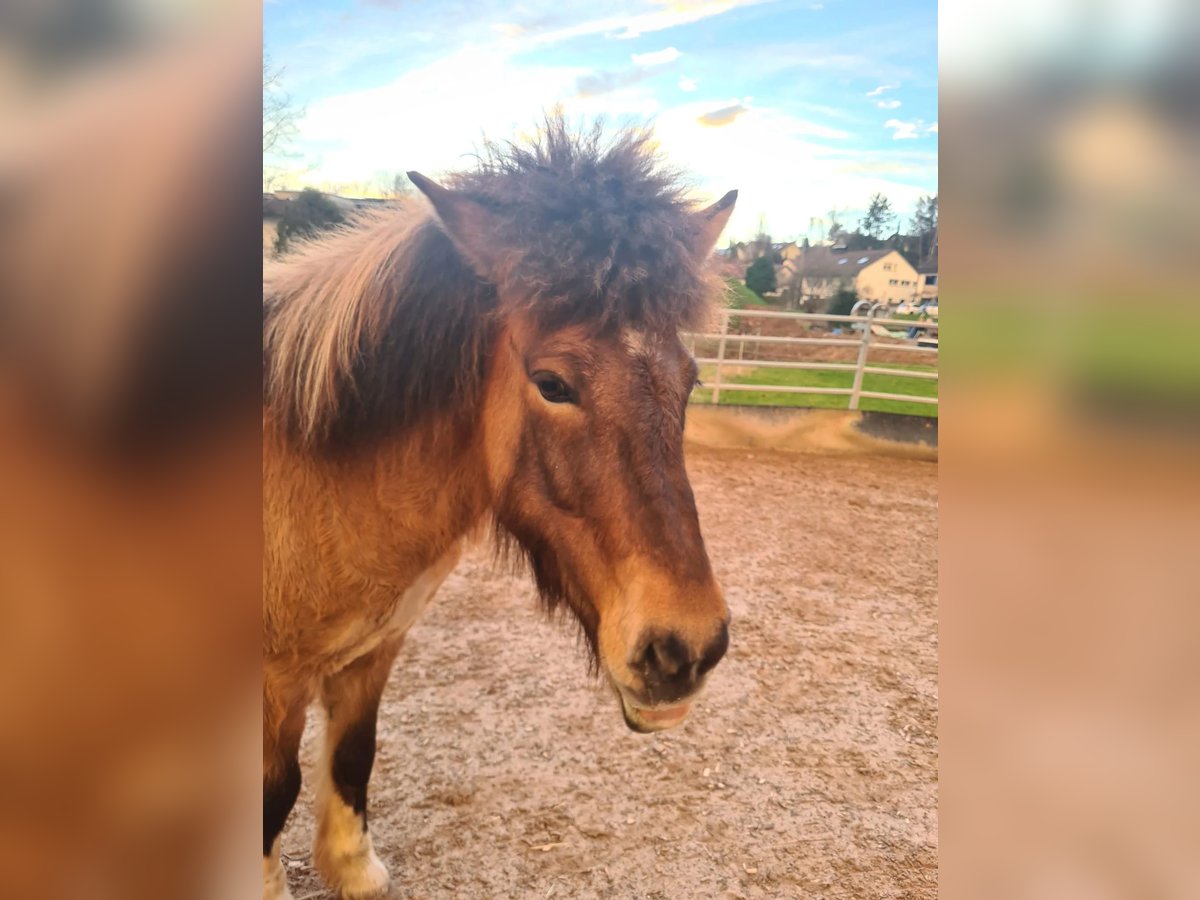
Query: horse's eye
(552, 388)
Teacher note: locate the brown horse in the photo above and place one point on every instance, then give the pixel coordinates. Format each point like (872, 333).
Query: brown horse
(510, 360)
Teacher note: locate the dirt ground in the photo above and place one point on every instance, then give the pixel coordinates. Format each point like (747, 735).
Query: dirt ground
(807, 769)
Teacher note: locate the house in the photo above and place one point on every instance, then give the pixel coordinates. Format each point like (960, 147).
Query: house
(748, 251)
(928, 273)
(881, 276)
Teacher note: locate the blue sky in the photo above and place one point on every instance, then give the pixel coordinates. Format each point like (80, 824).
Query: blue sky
(804, 107)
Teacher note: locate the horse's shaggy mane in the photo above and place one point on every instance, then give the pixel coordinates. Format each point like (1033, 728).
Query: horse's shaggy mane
(371, 328)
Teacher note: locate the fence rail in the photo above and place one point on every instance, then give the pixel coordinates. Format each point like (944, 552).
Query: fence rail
(867, 324)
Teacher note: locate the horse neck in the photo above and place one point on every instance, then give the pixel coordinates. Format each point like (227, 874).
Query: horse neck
(439, 476)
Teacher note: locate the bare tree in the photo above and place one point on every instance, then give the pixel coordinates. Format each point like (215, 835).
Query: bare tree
(879, 217)
(280, 113)
(925, 226)
(836, 229)
(393, 185)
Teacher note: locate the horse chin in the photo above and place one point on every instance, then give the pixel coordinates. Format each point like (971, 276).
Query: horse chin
(647, 720)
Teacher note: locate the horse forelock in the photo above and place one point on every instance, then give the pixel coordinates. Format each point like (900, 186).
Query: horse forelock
(374, 327)
(593, 231)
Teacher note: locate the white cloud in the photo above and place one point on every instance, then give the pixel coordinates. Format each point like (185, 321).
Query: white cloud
(785, 168)
(879, 90)
(816, 7)
(657, 58)
(888, 104)
(933, 128)
(903, 130)
(679, 13)
(431, 117)
(726, 115)
(626, 26)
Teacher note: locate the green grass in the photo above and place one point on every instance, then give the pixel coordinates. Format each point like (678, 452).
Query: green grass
(741, 297)
(888, 384)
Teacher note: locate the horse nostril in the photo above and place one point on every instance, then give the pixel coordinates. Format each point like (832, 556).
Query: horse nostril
(713, 653)
(664, 657)
(672, 668)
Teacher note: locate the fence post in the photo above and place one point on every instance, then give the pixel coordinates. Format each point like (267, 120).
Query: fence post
(862, 359)
(716, 394)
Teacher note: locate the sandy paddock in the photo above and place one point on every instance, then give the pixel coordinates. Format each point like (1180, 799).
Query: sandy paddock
(807, 769)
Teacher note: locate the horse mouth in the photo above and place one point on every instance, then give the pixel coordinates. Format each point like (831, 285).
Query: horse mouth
(646, 720)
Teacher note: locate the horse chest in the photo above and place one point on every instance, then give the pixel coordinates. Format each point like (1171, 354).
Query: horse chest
(368, 632)
(414, 600)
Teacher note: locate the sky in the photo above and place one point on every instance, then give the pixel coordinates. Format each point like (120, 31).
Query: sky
(803, 107)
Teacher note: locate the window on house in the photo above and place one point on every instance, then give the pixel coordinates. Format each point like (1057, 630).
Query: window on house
(931, 279)
(889, 267)
(842, 262)
(891, 281)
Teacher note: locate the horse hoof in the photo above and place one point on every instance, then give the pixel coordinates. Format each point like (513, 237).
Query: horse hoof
(364, 879)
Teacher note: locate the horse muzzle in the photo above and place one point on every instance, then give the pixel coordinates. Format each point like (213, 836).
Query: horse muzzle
(648, 719)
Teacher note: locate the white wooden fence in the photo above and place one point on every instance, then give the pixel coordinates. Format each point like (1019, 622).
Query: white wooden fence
(863, 341)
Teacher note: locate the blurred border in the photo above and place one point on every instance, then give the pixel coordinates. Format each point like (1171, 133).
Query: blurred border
(1071, 418)
(130, 536)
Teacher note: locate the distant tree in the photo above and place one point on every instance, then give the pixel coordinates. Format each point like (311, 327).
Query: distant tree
(843, 301)
(392, 185)
(760, 276)
(854, 240)
(280, 113)
(835, 227)
(925, 226)
(306, 216)
(878, 219)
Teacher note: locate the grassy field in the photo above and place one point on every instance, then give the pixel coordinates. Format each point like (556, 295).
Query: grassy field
(888, 384)
(741, 297)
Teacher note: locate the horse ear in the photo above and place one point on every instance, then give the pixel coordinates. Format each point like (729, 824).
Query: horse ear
(470, 225)
(713, 221)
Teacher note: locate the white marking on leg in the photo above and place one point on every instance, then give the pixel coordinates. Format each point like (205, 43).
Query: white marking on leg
(343, 852)
(342, 849)
(274, 878)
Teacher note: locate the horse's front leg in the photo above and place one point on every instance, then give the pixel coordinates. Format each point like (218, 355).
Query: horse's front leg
(343, 852)
(283, 726)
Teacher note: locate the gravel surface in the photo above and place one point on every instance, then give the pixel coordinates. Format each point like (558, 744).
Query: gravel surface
(807, 769)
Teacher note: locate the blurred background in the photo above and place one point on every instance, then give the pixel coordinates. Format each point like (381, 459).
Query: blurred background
(1068, 624)
(130, 495)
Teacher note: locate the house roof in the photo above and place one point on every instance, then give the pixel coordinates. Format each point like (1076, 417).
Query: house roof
(823, 262)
